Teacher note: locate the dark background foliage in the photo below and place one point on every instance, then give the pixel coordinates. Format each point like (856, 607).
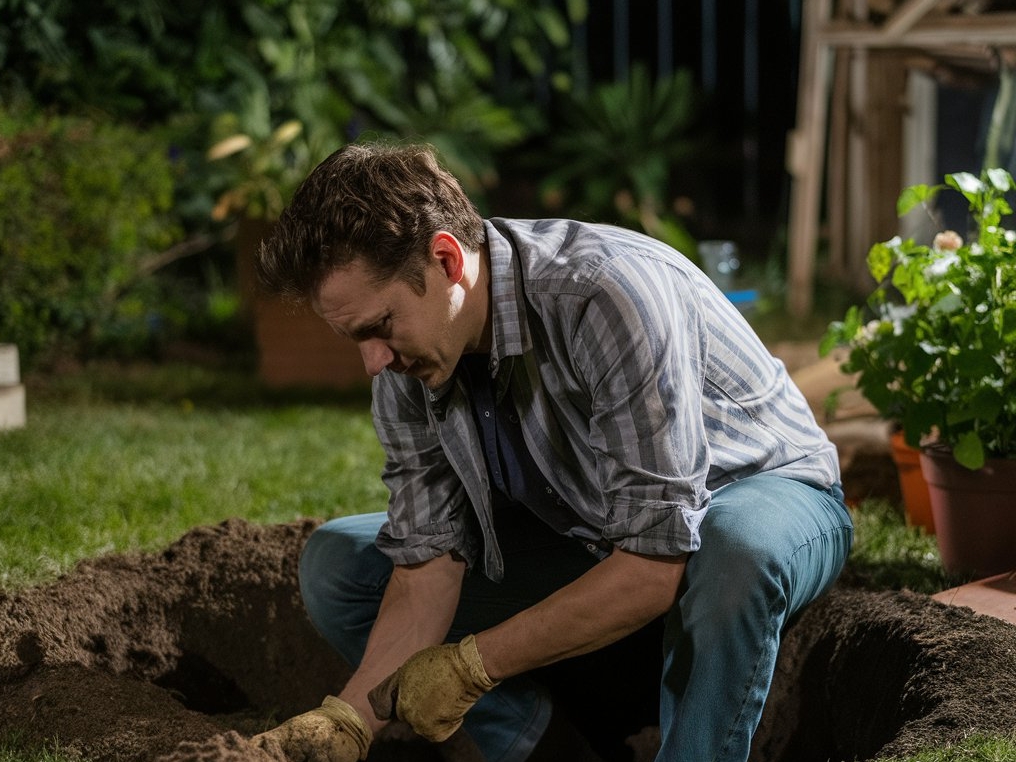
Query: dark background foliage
(562, 108)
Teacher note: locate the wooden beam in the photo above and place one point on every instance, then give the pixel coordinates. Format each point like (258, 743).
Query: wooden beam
(908, 14)
(985, 29)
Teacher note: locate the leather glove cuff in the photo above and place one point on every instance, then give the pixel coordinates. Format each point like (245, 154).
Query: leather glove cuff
(474, 664)
(348, 720)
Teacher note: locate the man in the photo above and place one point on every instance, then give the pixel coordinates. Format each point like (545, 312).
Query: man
(582, 436)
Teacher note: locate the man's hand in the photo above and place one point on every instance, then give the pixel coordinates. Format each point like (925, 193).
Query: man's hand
(334, 732)
(434, 689)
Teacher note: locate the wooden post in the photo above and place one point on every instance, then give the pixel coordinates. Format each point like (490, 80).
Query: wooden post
(838, 184)
(859, 200)
(883, 162)
(806, 156)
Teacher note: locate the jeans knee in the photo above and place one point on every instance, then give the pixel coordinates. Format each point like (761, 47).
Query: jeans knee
(341, 571)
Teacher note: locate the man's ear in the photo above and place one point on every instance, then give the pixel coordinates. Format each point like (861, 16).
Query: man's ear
(446, 249)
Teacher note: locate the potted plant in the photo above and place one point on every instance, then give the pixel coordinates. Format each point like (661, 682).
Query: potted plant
(933, 351)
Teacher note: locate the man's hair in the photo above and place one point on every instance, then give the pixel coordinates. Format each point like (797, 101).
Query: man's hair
(381, 204)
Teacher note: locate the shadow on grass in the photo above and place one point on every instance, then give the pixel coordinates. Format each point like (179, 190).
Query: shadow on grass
(904, 574)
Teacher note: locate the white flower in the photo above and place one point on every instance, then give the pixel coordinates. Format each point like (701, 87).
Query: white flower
(941, 265)
(870, 330)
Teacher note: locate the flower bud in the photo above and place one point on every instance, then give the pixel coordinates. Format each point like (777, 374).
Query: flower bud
(947, 240)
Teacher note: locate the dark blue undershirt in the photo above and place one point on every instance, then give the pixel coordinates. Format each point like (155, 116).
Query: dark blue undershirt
(514, 476)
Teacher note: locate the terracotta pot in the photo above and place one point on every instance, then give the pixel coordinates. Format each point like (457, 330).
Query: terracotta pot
(916, 500)
(974, 512)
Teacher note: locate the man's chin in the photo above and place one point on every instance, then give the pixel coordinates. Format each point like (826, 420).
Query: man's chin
(435, 382)
(434, 378)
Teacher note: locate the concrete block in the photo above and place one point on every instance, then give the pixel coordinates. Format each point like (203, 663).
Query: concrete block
(10, 375)
(12, 407)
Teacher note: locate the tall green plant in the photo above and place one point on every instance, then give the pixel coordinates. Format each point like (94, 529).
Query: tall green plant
(614, 156)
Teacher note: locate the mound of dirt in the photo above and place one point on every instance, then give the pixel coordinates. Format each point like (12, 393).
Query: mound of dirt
(187, 653)
(129, 656)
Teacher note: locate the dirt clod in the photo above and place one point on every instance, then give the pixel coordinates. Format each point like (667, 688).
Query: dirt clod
(226, 747)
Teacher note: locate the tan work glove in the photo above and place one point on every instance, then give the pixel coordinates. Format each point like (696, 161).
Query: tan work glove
(434, 689)
(334, 732)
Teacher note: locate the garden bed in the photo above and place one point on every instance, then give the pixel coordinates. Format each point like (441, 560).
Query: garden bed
(206, 644)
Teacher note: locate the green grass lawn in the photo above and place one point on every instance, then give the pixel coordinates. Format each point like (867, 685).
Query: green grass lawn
(118, 459)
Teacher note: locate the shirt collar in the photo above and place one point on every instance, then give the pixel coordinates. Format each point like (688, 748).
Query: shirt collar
(511, 334)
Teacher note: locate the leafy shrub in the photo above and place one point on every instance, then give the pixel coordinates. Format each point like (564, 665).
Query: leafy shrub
(413, 69)
(617, 148)
(84, 207)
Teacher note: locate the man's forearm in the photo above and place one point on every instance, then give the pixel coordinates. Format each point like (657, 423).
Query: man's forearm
(616, 597)
(416, 611)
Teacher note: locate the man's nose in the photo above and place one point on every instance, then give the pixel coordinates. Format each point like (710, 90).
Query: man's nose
(376, 355)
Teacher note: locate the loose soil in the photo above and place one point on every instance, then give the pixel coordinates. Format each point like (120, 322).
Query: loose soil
(185, 654)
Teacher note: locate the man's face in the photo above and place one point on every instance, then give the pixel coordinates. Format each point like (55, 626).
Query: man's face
(421, 335)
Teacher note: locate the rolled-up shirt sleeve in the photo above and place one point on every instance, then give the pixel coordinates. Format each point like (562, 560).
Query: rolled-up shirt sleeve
(427, 504)
(643, 361)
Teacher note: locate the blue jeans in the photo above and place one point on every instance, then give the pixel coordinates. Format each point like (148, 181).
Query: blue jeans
(769, 547)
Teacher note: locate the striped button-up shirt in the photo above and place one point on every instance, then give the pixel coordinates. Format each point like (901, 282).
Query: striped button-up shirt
(640, 389)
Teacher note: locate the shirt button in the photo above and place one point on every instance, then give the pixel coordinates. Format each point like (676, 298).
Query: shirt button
(591, 547)
(550, 491)
(487, 414)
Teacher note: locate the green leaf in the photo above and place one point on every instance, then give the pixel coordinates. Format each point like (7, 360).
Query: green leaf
(977, 364)
(472, 53)
(1000, 179)
(528, 56)
(948, 304)
(1008, 323)
(984, 407)
(578, 11)
(552, 25)
(969, 451)
(964, 182)
(914, 195)
(911, 284)
(880, 261)
(920, 418)
(261, 22)
(830, 340)
(967, 184)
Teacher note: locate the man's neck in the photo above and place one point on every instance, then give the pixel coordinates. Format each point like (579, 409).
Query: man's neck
(483, 301)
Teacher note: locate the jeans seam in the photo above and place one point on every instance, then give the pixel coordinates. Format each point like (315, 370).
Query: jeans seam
(738, 720)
